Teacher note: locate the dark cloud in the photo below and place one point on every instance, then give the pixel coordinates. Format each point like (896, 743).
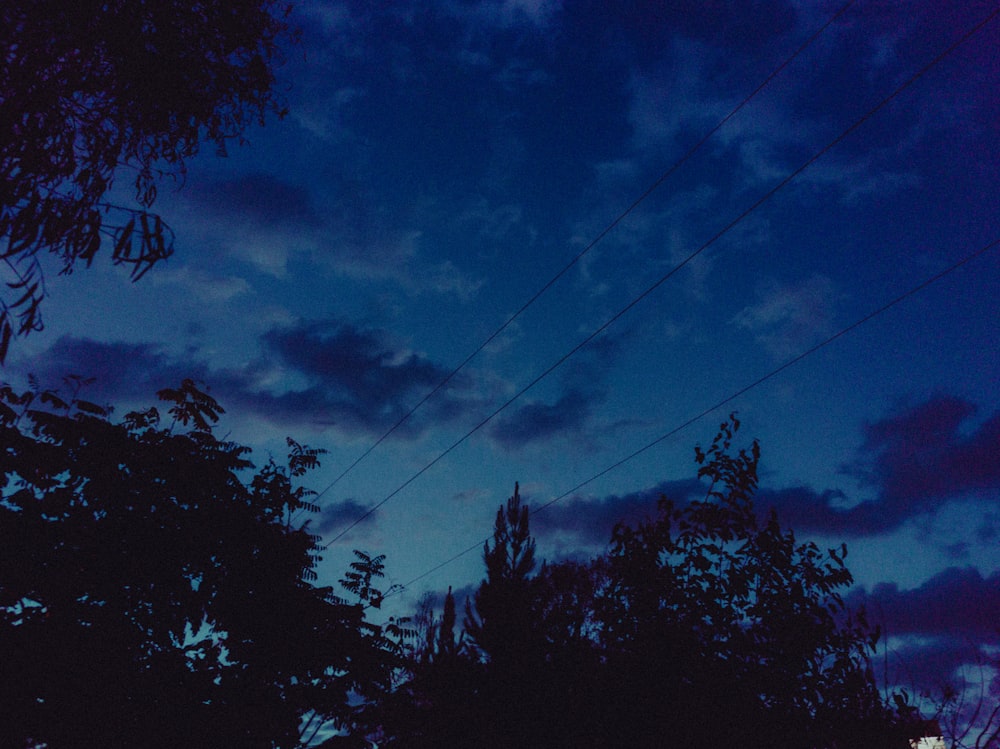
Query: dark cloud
(337, 516)
(358, 364)
(927, 666)
(538, 421)
(941, 624)
(928, 452)
(359, 381)
(916, 461)
(592, 520)
(583, 383)
(958, 602)
(261, 198)
(119, 370)
(355, 380)
(804, 509)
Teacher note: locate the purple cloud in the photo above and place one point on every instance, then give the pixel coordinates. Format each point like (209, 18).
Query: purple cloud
(359, 363)
(958, 602)
(583, 384)
(356, 380)
(119, 370)
(804, 509)
(592, 520)
(943, 624)
(916, 460)
(919, 456)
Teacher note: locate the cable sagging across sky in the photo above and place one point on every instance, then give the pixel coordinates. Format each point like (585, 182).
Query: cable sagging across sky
(729, 398)
(896, 92)
(594, 242)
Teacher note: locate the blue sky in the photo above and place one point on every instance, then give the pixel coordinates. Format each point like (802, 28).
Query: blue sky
(442, 162)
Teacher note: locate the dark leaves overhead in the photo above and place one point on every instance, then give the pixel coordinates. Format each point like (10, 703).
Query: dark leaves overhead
(89, 90)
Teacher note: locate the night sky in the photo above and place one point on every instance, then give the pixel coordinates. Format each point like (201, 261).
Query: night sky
(443, 162)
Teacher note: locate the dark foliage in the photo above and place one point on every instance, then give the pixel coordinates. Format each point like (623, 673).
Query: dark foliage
(721, 630)
(154, 593)
(91, 89)
(705, 627)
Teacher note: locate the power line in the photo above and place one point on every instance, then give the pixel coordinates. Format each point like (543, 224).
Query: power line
(659, 282)
(607, 230)
(728, 399)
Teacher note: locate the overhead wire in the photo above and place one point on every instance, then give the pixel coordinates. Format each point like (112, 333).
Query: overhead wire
(594, 242)
(726, 401)
(913, 78)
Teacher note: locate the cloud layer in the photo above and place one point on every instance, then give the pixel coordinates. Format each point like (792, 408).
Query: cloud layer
(326, 373)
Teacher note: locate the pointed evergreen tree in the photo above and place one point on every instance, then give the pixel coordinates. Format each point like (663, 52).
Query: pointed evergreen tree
(497, 621)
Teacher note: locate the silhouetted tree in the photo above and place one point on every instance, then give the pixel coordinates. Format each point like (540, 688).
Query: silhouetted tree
(967, 713)
(721, 630)
(437, 701)
(705, 627)
(154, 592)
(524, 671)
(89, 89)
(496, 620)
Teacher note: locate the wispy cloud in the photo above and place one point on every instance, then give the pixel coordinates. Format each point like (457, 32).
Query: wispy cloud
(202, 284)
(788, 318)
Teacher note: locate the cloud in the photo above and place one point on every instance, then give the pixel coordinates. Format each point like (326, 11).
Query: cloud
(540, 421)
(935, 629)
(206, 286)
(582, 388)
(507, 13)
(917, 461)
(121, 371)
(789, 318)
(361, 364)
(933, 608)
(357, 380)
(338, 515)
(926, 666)
(324, 373)
(591, 520)
(931, 451)
(264, 220)
(257, 218)
(471, 496)
(671, 101)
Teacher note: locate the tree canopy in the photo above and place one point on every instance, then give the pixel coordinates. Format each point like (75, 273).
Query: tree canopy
(91, 89)
(155, 592)
(705, 626)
